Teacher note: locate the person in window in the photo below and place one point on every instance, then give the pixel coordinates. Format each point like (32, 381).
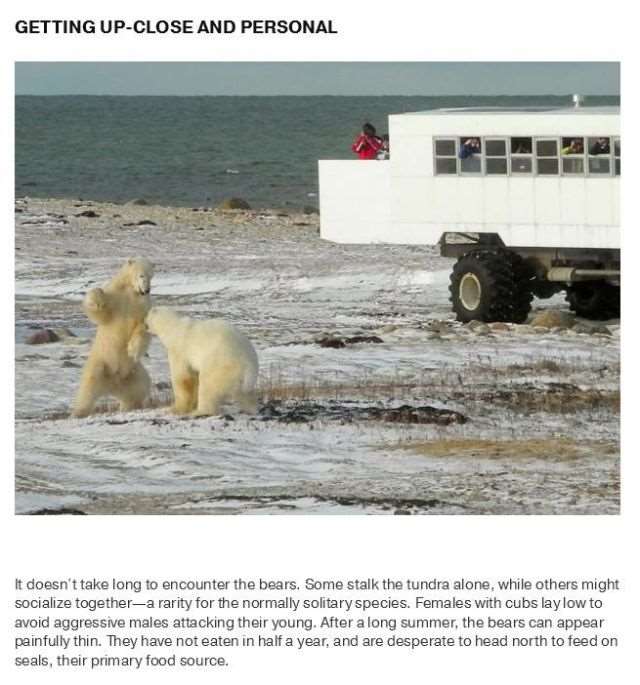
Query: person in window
(367, 144)
(600, 147)
(470, 147)
(383, 152)
(574, 147)
(522, 148)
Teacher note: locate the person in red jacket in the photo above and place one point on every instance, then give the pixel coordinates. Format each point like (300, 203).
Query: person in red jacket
(367, 144)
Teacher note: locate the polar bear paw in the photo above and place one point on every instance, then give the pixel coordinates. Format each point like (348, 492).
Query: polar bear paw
(95, 299)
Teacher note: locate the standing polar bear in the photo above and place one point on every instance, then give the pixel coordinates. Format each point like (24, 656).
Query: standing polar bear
(211, 361)
(113, 367)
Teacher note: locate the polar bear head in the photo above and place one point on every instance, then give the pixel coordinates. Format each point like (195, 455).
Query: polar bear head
(137, 273)
(161, 321)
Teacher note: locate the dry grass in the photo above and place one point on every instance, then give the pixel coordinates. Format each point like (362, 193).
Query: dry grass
(547, 385)
(551, 448)
(319, 390)
(158, 400)
(466, 390)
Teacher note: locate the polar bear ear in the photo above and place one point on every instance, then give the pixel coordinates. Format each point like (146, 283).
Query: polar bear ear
(131, 261)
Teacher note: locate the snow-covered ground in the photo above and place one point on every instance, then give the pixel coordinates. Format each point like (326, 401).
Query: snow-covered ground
(523, 419)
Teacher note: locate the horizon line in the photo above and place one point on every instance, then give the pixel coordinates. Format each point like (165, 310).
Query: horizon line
(268, 95)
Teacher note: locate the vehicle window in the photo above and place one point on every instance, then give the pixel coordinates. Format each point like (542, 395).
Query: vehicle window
(599, 146)
(572, 152)
(599, 165)
(599, 155)
(547, 148)
(497, 166)
(547, 157)
(495, 156)
(496, 148)
(521, 165)
(471, 165)
(445, 148)
(446, 166)
(521, 146)
(521, 155)
(470, 154)
(446, 156)
(525, 155)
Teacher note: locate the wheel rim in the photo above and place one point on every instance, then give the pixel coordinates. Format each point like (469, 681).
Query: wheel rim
(470, 291)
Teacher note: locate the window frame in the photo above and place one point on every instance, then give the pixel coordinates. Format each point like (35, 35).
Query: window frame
(529, 156)
(609, 157)
(436, 156)
(479, 156)
(582, 157)
(487, 157)
(482, 156)
(544, 139)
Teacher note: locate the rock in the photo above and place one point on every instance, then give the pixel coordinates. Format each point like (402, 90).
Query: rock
(499, 326)
(89, 213)
(600, 330)
(138, 201)
(474, 323)
(41, 337)
(389, 328)
(63, 333)
(234, 203)
(363, 339)
(439, 326)
(73, 340)
(553, 319)
(308, 209)
(66, 364)
(142, 222)
(481, 329)
(331, 342)
(582, 328)
(523, 329)
(63, 510)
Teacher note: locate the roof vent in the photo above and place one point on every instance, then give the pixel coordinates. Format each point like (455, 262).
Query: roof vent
(578, 100)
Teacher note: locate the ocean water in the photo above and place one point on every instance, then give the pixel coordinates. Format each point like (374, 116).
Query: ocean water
(195, 151)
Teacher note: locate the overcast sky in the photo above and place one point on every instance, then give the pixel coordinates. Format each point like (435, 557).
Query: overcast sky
(317, 78)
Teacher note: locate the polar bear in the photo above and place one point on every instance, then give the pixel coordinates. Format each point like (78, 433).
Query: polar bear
(113, 367)
(211, 361)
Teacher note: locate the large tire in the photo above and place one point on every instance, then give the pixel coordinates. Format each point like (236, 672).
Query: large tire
(491, 285)
(596, 300)
(543, 290)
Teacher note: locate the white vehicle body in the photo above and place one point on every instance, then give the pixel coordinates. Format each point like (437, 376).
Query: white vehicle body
(528, 200)
(408, 200)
